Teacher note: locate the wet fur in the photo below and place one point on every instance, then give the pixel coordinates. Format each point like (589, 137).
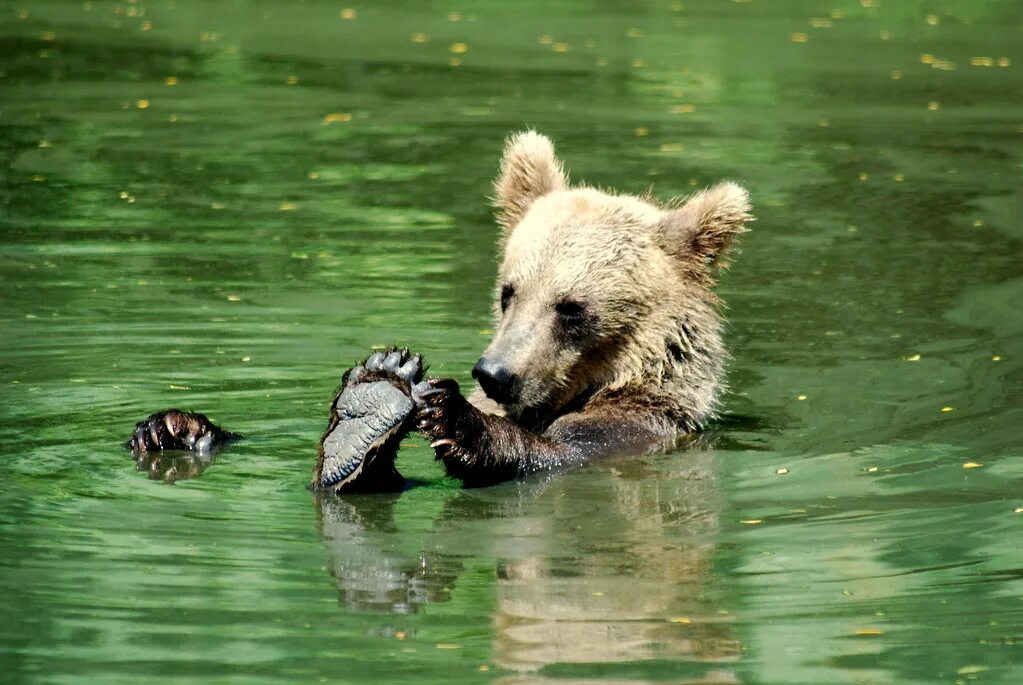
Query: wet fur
(650, 366)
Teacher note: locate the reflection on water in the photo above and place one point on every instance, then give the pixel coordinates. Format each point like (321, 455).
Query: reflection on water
(631, 588)
(222, 206)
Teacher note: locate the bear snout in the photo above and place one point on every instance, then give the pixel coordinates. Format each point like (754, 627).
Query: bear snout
(497, 380)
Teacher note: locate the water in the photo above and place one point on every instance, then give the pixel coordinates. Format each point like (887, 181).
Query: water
(220, 206)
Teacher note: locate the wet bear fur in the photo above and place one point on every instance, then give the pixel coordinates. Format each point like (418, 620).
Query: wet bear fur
(608, 337)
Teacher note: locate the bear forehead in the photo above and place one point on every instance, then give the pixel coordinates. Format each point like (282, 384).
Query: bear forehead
(571, 238)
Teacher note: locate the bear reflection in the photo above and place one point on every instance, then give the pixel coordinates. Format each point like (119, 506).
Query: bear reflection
(607, 564)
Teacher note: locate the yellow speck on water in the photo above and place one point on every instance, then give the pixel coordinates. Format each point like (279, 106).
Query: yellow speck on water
(454, 16)
(683, 109)
(38, 178)
(972, 465)
(798, 37)
(977, 223)
(967, 670)
(560, 47)
(801, 397)
(944, 65)
(933, 19)
(864, 176)
(313, 175)
(871, 469)
(123, 194)
(820, 23)
(913, 358)
(447, 645)
(897, 75)
(823, 122)
(947, 409)
(292, 80)
(170, 81)
(982, 61)
(680, 619)
(217, 205)
(142, 104)
(869, 631)
(173, 118)
(486, 331)
(782, 471)
(484, 668)
(45, 144)
(147, 26)
(246, 359)
(454, 61)
(1018, 510)
(179, 387)
(996, 358)
(22, 14)
(1004, 61)
(233, 298)
(420, 38)
(869, 3)
(927, 58)
(671, 147)
(400, 634)
(48, 36)
(598, 594)
(933, 105)
(545, 39)
(348, 14)
(288, 207)
(337, 117)
(751, 522)
(885, 35)
(459, 48)
(642, 131)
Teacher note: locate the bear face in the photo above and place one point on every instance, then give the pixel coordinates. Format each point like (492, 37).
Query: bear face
(598, 290)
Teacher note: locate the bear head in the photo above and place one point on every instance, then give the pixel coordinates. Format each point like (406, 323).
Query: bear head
(596, 290)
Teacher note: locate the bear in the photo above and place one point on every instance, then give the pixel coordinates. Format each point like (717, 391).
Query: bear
(608, 338)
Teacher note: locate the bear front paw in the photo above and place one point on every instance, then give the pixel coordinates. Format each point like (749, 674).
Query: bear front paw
(174, 429)
(440, 414)
(368, 418)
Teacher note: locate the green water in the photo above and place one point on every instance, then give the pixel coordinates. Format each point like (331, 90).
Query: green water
(221, 205)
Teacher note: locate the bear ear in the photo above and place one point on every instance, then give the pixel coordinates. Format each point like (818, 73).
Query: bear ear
(700, 232)
(529, 170)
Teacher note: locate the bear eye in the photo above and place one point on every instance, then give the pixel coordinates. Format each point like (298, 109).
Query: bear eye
(507, 290)
(570, 311)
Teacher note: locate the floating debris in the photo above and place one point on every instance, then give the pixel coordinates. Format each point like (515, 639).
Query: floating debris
(545, 39)
(641, 131)
(947, 409)
(337, 117)
(459, 48)
(447, 645)
(982, 62)
(671, 147)
(869, 632)
(782, 471)
(292, 80)
(996, 358)
(798, 37)
(972, 465)
(233, 298)
(348, 14)
(898, 178)
(933, 19)
(897, 75)
(871, 469)
(288, 207)
(683, 109)
(142, 104)
(420, 38)
(933, 105)
(560, 47)
(246, 359)
(170, 81)
(801, 397)
(680, 619)
(751, 522)
(913, 358)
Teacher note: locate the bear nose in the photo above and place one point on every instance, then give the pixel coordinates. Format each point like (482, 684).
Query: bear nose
(500, 384)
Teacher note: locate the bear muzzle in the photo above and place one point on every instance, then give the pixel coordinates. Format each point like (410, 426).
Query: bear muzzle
(497, 380)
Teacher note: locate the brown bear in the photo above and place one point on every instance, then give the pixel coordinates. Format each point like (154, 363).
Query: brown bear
(608, 338)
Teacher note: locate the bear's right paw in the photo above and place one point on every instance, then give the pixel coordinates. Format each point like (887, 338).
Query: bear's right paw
(174, 429)
(368, 418)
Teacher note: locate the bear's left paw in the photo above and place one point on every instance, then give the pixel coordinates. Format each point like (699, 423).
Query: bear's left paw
(440, 410)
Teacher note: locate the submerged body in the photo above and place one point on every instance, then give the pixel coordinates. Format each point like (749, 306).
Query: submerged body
(609, 338)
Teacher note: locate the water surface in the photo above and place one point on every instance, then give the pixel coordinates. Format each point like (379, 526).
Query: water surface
(220, 206)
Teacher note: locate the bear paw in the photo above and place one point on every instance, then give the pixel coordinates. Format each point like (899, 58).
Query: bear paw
(440, 413)
(174, 429)
(368, 418)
